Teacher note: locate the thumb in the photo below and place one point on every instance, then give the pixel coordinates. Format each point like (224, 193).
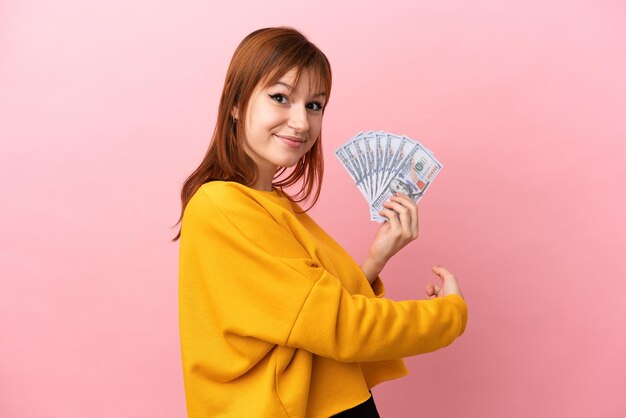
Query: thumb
(450, 284)
(442, 272)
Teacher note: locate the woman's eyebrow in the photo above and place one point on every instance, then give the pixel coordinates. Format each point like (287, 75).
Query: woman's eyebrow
(290, 87)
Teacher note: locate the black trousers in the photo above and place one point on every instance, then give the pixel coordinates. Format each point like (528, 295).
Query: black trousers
(365, 410)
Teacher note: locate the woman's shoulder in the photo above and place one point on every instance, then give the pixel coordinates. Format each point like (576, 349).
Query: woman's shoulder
(234, 198)
(225, 193)
(219, 188)
(226, 204)
(216, 195)
(215, 201)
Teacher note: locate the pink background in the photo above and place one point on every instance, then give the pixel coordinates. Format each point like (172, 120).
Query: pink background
(106, 107)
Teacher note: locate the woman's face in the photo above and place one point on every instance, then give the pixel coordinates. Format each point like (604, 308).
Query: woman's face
(282, 122)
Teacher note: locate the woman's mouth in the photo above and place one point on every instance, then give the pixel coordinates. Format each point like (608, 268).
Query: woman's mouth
(291, 141)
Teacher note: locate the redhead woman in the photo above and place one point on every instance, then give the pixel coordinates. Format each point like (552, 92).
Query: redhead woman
(276, 318)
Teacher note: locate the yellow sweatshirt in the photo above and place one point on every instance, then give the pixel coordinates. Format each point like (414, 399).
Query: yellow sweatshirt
(277, 320)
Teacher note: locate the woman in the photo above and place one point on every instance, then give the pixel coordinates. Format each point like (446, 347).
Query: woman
(276, 319)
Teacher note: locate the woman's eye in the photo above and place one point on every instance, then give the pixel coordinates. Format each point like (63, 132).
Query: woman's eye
(315, 106)
(280, 98)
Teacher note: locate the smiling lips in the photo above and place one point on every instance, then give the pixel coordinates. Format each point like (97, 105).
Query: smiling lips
(291, 141)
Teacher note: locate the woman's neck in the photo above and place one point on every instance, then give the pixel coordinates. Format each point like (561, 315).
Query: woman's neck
(265, 180)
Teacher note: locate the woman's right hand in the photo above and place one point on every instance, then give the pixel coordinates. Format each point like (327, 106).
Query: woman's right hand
(448, 287)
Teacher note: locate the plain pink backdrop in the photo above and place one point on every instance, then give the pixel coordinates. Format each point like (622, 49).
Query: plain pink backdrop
(106, 107)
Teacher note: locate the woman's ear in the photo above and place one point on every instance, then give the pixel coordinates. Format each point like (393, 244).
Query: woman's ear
(235, 113)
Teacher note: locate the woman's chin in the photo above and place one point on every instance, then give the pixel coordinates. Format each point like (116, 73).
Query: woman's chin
(287, 163)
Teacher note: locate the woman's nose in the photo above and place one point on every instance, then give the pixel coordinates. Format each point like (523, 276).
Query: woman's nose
(298, 118)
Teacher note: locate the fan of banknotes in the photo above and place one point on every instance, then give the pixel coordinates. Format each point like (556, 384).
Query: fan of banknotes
(381, 164)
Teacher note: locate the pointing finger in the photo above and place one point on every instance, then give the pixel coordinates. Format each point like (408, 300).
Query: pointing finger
(442, 272)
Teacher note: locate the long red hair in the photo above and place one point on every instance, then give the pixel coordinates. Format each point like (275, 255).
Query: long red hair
(264, 56)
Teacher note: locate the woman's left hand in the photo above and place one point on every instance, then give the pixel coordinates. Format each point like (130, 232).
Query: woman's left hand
(402, 227)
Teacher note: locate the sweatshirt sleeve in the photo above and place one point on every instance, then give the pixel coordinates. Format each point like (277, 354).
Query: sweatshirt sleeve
(260, 282)
(378, 287)
(333, 323)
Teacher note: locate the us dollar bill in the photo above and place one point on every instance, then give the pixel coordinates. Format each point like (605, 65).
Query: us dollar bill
(382, 163)
(412, 177)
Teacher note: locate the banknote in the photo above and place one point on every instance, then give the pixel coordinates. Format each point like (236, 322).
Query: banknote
(382, 163)
(412, 177)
